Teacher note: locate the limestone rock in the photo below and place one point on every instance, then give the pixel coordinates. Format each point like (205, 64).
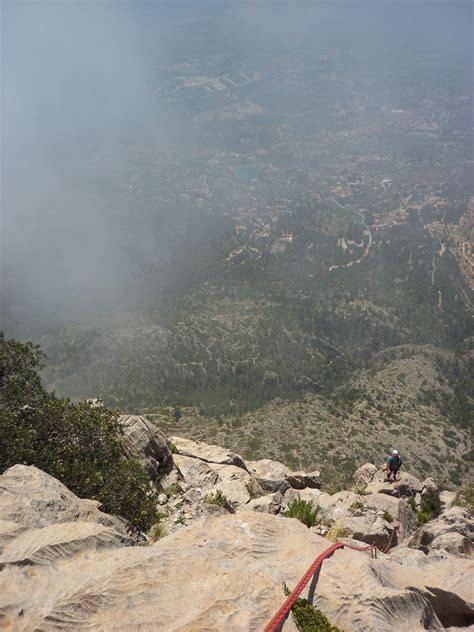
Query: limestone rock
(408, 485)
(32, 499)
(55, 541)
(300, 480)
(143, 441)
(308, 494)
(271, 475)
(336, 506)
(406, 519)
(382, 502)
(208, 453)
(135, 588)
(364, 475)
(455, 520)
(358, 593)
(235, 491)
(271, 503)
(455, 543)
(196, 473)
(428, 483)
(9, 530)
(64, 566)
(369, 529)
(232, 472)
(447, 498)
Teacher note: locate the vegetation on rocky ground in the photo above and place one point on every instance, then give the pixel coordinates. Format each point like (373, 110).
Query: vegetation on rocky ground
(77, 443)
(387, 516)
(303, 510)
(430, 506)
(465, 497)
(218, 498)
(338, 531)
(308, 618)
(157, 532)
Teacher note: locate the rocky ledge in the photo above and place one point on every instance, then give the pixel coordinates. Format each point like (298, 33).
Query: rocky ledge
(64, 564)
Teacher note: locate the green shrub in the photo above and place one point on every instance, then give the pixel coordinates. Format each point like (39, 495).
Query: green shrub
(422, 516)
(455, 476)
(451, 444)
(302, 510)
(356, 505)
(173, 490)
(430, 506)
(412, 502)
(387, 516)
(79, 444)
(308, 618)
(217, 498)
(173, 448)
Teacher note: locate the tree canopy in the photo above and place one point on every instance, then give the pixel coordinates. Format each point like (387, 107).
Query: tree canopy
(79, 444)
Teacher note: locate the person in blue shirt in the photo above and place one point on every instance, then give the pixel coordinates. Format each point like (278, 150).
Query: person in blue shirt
(394, 463)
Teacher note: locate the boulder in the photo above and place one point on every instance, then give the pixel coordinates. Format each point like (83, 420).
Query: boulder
(455, 520)
(196, 473)
(271, 503)
(30, 498)
(358, 593)
(206, 452)
(370, 529)
(231, 472)
(364, 475)
(382, 502)
(271, 475)
(447, 498)
(408, 485)
(308, 495)
(54, 542)
(235, 490)
(444, 581)
(406, 519)
(454, 543)
(172, 478)
(335, 506)
(143, 441)
(300, 480)
(429, 483)
(402, 554)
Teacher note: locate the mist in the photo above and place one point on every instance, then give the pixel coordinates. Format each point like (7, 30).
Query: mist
(113, 197)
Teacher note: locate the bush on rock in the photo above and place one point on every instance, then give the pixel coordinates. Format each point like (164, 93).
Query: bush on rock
(77, 443)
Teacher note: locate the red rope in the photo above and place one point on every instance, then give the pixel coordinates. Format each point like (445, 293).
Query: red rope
(283, 612)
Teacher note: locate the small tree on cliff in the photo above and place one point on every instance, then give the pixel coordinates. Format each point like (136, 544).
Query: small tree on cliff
(77, 443)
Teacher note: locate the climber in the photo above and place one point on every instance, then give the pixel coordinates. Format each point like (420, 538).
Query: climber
(394, 463)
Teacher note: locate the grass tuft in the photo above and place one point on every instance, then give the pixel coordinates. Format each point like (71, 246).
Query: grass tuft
(218, 498)
(303, 510)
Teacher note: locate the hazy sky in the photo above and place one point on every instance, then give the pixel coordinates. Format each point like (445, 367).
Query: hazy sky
(79, 119)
